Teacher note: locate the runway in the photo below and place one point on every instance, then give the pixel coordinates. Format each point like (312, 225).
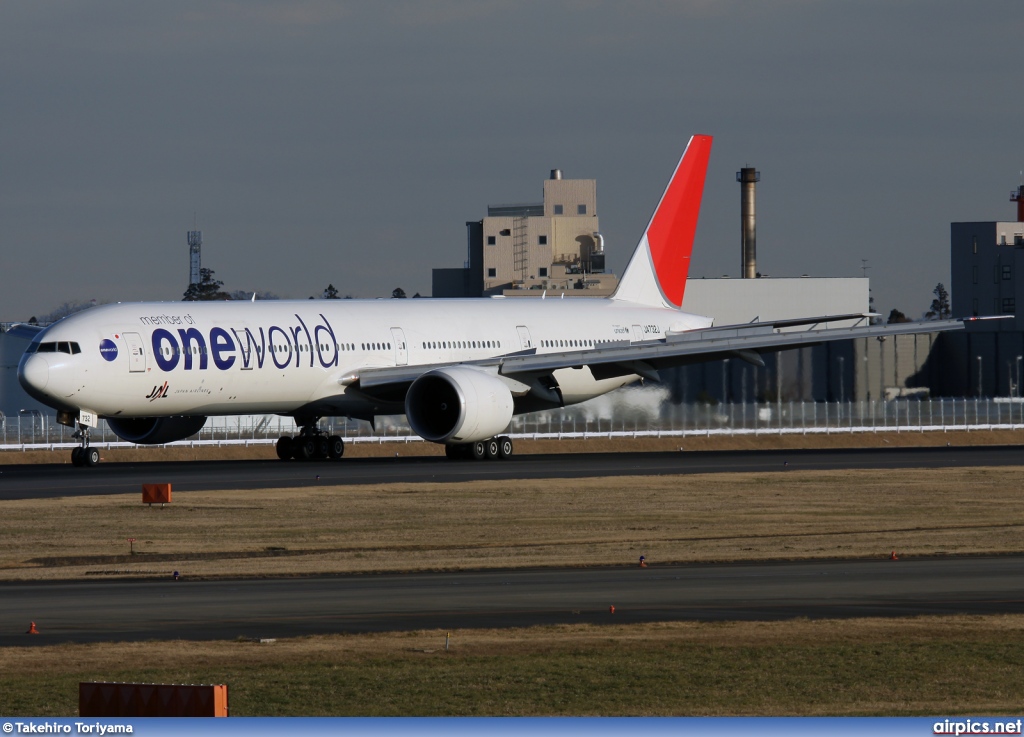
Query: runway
(57, 480)
(277, 608)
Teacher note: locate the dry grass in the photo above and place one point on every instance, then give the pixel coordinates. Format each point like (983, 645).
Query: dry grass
(529, 447)
(496, 524)
(950, 665)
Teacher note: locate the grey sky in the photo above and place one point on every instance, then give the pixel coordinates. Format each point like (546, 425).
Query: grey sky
(348, 142)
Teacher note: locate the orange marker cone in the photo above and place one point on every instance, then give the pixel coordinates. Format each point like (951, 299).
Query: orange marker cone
(893, 556)
(611, 609)
(32, 629)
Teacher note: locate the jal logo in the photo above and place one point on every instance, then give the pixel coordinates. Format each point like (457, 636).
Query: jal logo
(108, 349)
(159, 392)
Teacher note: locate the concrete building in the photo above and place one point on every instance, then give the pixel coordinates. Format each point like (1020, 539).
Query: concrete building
(553, 246)
(986, 259)
(987, 279)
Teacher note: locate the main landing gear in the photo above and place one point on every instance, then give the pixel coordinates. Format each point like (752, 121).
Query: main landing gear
(84, 455)
(500, 447)
(311, 444)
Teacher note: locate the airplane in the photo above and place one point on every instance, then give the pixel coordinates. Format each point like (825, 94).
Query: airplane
(457, 369)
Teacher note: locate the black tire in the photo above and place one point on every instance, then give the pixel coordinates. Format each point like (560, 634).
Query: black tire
(76, 457)
(335, 447)
(304, 448)
(504, 447)
(91, 457)
(491, 449)
(322, 447)
(478, 450)
(284, 448)
(457, 451)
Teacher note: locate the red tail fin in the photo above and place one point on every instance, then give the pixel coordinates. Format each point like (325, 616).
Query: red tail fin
(656, 274)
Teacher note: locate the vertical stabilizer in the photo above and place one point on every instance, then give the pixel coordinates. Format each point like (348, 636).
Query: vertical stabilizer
(656, 274)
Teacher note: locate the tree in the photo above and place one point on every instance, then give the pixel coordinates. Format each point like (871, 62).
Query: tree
(331, 293)
(207, 290)
(897, 316)
(398, 293)
(244, 295)
(940, 305)
(68, 308)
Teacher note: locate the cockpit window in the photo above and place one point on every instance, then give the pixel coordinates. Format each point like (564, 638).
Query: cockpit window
(63, 346)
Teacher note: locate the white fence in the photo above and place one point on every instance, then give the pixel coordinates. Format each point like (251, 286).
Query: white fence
(642, 414)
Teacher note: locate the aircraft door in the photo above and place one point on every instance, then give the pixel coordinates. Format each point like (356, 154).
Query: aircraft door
(524, 337)
(136, 352)
(401, 351)
(638, 334)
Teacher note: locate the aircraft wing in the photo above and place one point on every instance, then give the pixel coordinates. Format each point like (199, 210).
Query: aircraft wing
(746, 341)
(24, 331)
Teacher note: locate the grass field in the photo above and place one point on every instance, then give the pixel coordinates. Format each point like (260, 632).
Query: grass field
(499, 524)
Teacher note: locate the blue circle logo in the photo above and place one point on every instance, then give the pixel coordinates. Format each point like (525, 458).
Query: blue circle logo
(108, 349)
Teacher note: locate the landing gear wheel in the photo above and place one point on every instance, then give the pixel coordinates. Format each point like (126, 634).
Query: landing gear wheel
(322, 447)
(491, 449)
(335, 447)
(91, 456)
(284, 448)
(478, 450)
(76, 457)
(304, 448)
(504, 447)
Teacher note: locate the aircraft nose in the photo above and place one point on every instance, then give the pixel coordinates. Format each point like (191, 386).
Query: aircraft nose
(34, 373)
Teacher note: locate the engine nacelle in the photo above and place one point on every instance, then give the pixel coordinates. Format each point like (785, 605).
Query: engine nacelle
(155, 430)
(458, 404)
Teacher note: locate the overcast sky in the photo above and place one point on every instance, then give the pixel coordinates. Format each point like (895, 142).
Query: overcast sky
(325, 142)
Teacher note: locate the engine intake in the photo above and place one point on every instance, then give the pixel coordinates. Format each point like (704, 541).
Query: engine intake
(458, 404)
(155, 430)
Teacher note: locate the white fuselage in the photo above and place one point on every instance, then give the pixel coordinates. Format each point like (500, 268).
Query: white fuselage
(285, 357)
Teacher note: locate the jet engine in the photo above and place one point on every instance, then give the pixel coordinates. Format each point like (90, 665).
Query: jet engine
(155, 430)
(458, 404)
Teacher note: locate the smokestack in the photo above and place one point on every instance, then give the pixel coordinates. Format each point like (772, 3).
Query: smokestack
(748, 177)
(556, 173)
(1018, 197)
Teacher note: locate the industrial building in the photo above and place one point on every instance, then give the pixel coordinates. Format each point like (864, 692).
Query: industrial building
(987, 279)
(522, 250)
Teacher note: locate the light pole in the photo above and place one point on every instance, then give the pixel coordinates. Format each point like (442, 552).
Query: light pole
(979, 377)
(842, 389)
(1018, 375)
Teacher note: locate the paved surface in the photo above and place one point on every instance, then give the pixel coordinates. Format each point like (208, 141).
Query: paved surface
(48, 481)
(119, 610)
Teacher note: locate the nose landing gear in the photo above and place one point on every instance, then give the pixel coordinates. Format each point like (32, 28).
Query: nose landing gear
(84, 455)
